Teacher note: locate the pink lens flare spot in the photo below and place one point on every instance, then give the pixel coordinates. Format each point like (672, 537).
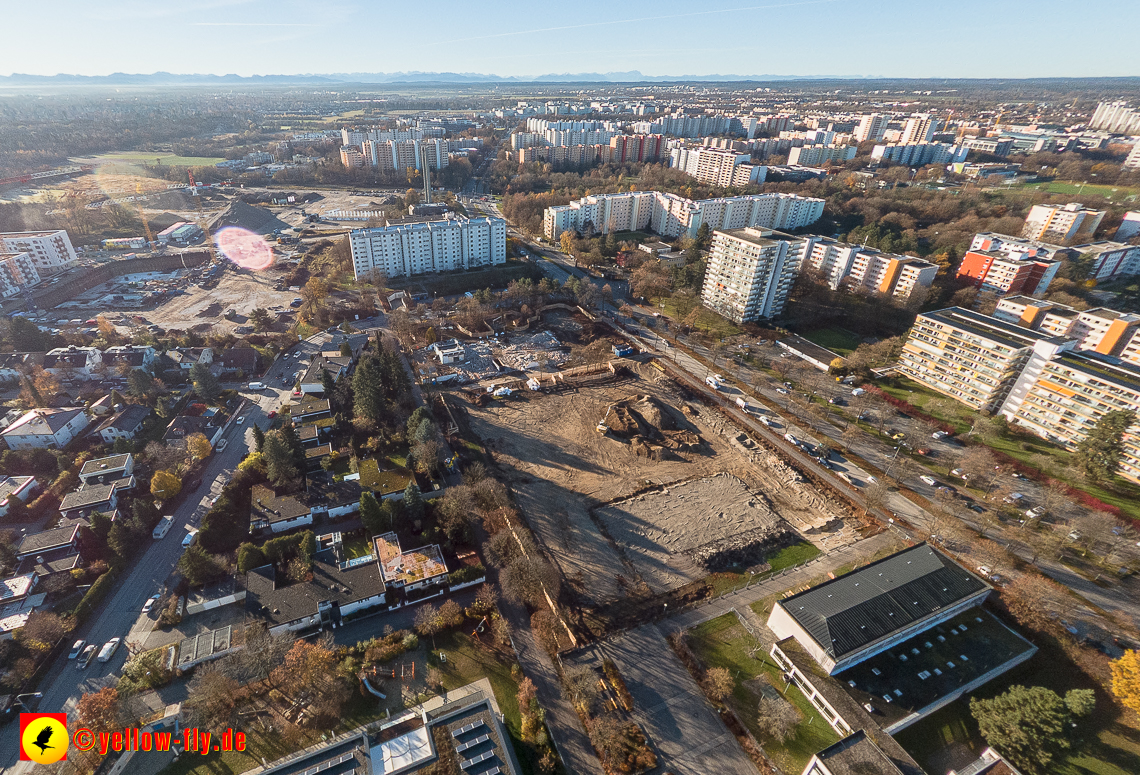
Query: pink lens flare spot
(245, 248)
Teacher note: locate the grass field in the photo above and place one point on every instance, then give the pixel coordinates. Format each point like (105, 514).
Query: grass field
(166, 159)
(1120, 193)
(722, 642)
(708, 322)
(835, 339)
(1049, 458)
(449, 284)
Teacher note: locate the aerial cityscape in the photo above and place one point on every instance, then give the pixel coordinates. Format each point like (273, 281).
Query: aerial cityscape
(547, 408)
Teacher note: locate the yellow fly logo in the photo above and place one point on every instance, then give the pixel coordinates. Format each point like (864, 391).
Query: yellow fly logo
(43, 737)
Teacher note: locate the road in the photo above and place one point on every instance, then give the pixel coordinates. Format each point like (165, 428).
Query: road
(120, 615)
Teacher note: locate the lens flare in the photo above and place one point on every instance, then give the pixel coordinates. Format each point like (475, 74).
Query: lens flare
(245, 248)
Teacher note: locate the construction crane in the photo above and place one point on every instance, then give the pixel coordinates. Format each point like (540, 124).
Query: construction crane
(203, 224)
(142, 215)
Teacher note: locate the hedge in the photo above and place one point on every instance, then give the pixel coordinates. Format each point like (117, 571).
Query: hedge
(99, 590)
(465, 574)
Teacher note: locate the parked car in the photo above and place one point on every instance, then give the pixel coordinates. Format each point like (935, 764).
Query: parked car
(1036, 511)
(149, 604)
(109, 649)
(77, 649)
(939, 435)
(781, 391)
(85, 657)
(272, 414)
(928, 480)
(221, 445)
(898, 436)
(958, 472)
(976, 508)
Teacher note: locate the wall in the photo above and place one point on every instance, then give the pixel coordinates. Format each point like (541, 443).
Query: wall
(88, 278)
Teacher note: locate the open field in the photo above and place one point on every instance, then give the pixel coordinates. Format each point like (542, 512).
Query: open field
(562, 469)
(708, 322)
(157, 158)
(835, 339)
(1118, 193)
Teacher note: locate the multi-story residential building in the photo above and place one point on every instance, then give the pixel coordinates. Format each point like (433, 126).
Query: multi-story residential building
(1129, 227)
(670, 215)
(637, 148)
(815, 155)
(1099, 330)
(437, 245)
(919, 128)
(565, 154)
(871, 127)
(1008, 265)
(45, 428)
(51, 252)
(969, 356)
(718, 167)
(525, 140)
(1060, 222)
(1132, 161)
(998, 146)
(17, 273)
(749, 273)
(1107, 260)
(351, 157)
(856, 266)
(405, 154)
(919, 154)
(1116, 117)
(73, 362)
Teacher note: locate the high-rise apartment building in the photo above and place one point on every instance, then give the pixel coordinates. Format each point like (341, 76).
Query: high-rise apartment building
(992, 271)
(1060, 222)
(871, 127)
(920, 154)
(628, 149)
(749, 273)
(1116, 117)
(17, 273)
(855, 266)
(404, 154)
(50, 252)
(1108, 260)
(815, 155)
(1132, 161)
(351, 157)
(428, 245)
(919, 128)
(718, 167)
(1129, 227)
(670, 215)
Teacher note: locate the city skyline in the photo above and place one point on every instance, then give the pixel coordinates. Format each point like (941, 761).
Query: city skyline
(665, 39)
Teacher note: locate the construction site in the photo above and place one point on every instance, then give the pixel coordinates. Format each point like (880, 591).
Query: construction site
(636, 488)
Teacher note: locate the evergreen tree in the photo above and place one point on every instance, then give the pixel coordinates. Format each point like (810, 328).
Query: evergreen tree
(278, 459)
(346, 348)
(1098, 454)
(293, 442)
(139, 383)
(258, 438)
(374, 519)
(327, 383)
(1030, 725)
(367, 389)
(206, 385)
(413, 503)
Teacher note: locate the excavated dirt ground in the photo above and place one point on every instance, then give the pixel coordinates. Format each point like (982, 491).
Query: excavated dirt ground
(561, 467)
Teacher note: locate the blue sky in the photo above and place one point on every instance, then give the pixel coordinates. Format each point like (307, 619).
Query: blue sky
(919, 38)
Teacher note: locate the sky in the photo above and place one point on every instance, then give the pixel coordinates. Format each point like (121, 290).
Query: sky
(891, 38)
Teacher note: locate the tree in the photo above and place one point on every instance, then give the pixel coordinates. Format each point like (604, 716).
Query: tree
(165, 485)
(345, 348)
(42, 631)
(250, 556)
(211, 699)
(451, 613)
(278, 459)
(99, 710)
(258, 438)
(139, 383)
(198, 446)
(526, 578)
(314, 292)
(876, 496)
(199, 567)
(372, 516)
(1126, 680)
(649, 280)
(413, 503)
(777, 718)
(205, 383)
(719, 684)
(1032, 600)
(1028, 725)
(327, 383)
(1098, 454)
(566, 240)
(261, 319)
(1080, 702)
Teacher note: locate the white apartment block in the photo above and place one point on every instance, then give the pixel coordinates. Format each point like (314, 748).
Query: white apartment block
(440, 245)
(404, 154)
(1129, 227)
(17, 273)
(1060, 222)
(1132, 161)
(871, 127)
(858, 267)
(1100, 330)
(672, 216)
(520, 140)
(50, 251)
(815, 155)
(750, 272)
(919, 128)
(920, 154)
(1019, 247)
(350, 157)
(1116, 117)
(718, 167)
(564, 137)
(1110, 260)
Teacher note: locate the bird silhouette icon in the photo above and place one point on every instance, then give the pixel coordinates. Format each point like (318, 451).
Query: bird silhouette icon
(42, 738)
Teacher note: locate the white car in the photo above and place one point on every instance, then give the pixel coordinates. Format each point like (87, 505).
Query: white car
(221, 445)
(149, 604)
(77, 649)
(781, 391)
(939, 435)
(109, 649)
(241, 420)
(928, 480)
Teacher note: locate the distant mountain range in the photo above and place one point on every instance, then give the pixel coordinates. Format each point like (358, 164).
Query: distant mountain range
(134, 79)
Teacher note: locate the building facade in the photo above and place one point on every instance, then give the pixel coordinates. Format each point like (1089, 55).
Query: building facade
(815, 155)
(50, 252)
(1117, 117)
(717, 166)
(919, 128)
(1060, 222)
(855, 266)
(871, 127)
(17, 273)
(749, 273)
(919, 154)
(440, 245)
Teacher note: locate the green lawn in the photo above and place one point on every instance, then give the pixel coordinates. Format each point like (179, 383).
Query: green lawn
(708, 322)
(382, 482)
(357, 547)
(1108, 192)
(1049, 458)
(722, 642)
(792, 555)
(158, 157)
(837, 340)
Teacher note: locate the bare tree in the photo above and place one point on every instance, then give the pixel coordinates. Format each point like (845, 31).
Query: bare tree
(777, 718)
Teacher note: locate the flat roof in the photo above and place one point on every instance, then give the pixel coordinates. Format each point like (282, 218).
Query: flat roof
(856, 754)
(408, 567)
(987, 327)
(112, 463)
(403, 752)
(854, 610)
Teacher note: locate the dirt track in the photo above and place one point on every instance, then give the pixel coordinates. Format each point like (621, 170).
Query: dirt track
(560, 467)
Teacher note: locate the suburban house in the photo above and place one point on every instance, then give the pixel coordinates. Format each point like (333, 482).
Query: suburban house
(313, 434)
(899, 638)
(185, 358)
(35, 544)
(17, 602)
(13, 366)
(20, 488)
(62, 559)
(106, 470)
(125, 424)
(338, 366)
(339, 587)
(45, 428)
(89, 499)
(278, 512)
(73, 362)
(308, 409)
(183, 425)
(129, 355)
(238, 358)
(314, 456)
(414, 570)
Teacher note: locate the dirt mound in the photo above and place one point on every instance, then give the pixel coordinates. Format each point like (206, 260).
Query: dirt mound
(245, 216)
(643, 448)
(653, 413)
(621, 421)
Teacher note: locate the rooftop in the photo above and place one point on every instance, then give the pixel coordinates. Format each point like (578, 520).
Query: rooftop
(284, 603)
(127, 420)
(856, 609)
(99, 465)
(990, 328)
(856, 754)
(16, 587)
(42, 422)
(408, 567)
(47, 539)
(269, 506)
(91, 495)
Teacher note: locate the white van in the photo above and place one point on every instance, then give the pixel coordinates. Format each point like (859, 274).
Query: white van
(190, 538)
(163, 527)
(257, 386)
